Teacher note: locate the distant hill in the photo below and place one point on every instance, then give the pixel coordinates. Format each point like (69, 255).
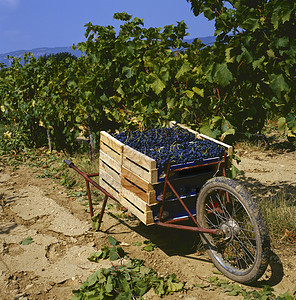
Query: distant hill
(209, 40)
(37, 52)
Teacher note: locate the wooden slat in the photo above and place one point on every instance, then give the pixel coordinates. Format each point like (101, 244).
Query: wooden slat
(145, 216)
(148, 196)
(110, 161)
(151, 176)
(143, 184)
(134, 199)
(105, 177)
(174, 123)
(109, 170)
(139, 158)
(112, 142)
(109, 189)
(111, 153)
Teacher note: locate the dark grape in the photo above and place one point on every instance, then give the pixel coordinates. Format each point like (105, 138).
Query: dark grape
(175, 145)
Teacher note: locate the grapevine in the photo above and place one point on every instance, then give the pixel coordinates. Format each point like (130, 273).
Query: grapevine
(133, 79)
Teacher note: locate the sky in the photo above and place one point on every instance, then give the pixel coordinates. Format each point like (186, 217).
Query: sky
(29, 24)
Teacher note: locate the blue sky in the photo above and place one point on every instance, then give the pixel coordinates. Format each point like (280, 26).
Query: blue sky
(29, 24)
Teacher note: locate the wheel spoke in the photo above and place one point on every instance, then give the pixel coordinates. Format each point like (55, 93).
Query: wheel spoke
(247, 253)
(211, 209)
(247, 239)
(223, 206)
(238, 261)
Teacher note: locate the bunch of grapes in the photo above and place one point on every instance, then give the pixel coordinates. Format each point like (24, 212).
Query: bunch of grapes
(175, 145)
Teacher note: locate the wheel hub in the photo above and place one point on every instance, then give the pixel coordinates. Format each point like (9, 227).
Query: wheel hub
(230, 228)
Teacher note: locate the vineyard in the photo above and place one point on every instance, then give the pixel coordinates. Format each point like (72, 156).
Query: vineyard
(140, 78)
(131, 84)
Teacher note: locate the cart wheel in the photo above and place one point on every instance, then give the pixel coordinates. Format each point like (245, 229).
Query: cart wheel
(242, 251)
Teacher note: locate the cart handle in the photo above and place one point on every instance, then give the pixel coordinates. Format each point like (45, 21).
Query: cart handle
(68, 162)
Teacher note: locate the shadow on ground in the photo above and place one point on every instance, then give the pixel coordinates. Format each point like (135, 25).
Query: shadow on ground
(258, 189)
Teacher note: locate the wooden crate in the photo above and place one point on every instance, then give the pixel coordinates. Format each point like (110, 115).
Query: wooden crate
(127, 175)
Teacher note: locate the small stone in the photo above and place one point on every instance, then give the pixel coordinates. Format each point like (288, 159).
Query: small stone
(28, 286)
(124, 244)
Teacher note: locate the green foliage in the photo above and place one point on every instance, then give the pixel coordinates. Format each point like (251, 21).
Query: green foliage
(253, 59)
(95, 222)
(130, 281)
(13, 139)
(27, 241)
(287, 125)
(35, 97)
(133, 74)
(149, 246)
(143, 77)
(61, 56)
(230, 289)
(111, 253)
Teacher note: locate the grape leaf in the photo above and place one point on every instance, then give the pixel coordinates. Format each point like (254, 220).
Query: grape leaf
(222, 74)
(112, 241)
(27, 241)
(109, 284)
(198, 91)
(184, 68)
(92, 279)
(157, 85)
(149, 246)
(290, 120)
(94, 257)
(278, 84)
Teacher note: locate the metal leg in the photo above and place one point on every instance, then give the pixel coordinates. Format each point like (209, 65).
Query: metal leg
(89, 199)
(102, 211)
(88, 180)
(164, 192)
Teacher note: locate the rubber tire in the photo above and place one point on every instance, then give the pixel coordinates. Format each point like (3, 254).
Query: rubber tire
(262, 252)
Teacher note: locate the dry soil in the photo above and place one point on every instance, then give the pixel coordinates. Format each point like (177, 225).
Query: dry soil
(56, 262)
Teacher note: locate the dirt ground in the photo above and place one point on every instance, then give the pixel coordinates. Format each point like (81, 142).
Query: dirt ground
(56, 262)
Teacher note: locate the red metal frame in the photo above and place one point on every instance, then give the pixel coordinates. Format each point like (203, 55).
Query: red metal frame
(169, 223)
(88, 180)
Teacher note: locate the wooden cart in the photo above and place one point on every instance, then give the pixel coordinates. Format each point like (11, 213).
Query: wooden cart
(221, 210)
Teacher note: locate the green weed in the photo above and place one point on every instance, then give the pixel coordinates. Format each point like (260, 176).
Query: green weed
(234, 289)
(127, 281)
